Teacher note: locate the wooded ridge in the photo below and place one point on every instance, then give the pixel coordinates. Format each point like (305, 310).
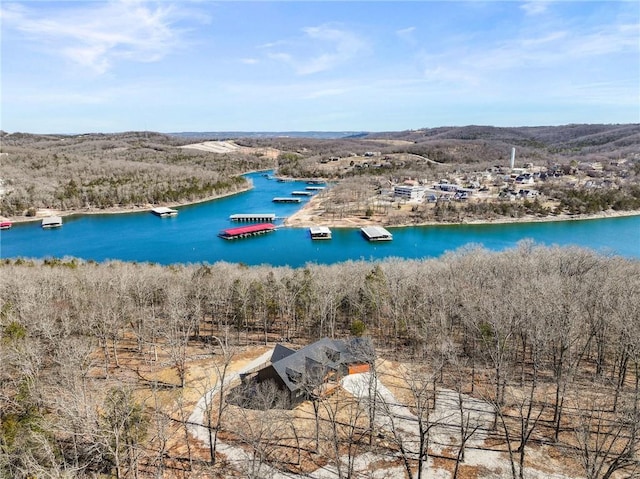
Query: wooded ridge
(99, 360)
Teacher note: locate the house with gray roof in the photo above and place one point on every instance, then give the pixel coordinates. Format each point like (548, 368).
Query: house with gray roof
(314, 369)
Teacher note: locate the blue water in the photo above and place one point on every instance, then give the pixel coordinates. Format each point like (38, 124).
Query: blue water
(191, 237)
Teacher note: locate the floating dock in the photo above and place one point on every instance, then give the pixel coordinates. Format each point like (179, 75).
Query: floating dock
(52, 222)
(320, 233)
(286, 200)
(301, 193)
(164, 212)
(376, 233)
(316, 182)
(268, 217)
(246, 231)
(5, 225)
(315, 188)
(285, 180)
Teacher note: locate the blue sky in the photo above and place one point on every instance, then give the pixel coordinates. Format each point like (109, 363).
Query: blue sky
(169, 66)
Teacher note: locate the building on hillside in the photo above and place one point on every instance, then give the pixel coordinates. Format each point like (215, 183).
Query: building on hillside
(314, 370)
(448, 187)
(409, 192)
(527, 194)
(525, 179)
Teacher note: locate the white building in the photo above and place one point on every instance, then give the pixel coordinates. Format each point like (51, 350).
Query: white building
(409, 192)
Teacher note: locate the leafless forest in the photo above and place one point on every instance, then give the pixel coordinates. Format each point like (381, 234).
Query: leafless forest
(99, 360)
(103, 171)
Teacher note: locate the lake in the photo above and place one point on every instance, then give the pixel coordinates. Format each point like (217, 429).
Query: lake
(192, 236)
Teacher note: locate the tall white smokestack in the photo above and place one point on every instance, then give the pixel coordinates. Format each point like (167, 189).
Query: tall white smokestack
(513, 158)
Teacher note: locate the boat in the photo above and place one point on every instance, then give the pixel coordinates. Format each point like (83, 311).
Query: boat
(5, 225)
(246, 231)
(164, 212)
(376, 233)
(286, 200)
(320, 233)
(52, 222)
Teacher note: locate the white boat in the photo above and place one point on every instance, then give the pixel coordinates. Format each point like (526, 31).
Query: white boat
(320, 233)
(52, 222)
(163, 212)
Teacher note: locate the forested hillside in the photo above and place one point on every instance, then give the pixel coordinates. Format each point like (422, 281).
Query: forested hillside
(102, 171)
(98, 171)
(99, 360)
(376, 159)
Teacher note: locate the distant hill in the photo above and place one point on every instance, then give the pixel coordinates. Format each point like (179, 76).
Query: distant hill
(559, 137)
(223, 135)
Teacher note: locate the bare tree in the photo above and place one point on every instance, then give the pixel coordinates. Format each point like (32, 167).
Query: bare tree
(608, 442)
(215, 412)
(261, 424)
(122, 427)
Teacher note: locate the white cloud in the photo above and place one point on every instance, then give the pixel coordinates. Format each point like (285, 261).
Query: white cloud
(547, 49)
(97, 35)
(406, 33)
(535, 7)
(322, 48)
(249, 61)
(548, 38)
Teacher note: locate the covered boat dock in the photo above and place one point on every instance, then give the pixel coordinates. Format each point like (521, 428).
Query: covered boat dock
(286, 200)
(376, 233)
(52, 222)
(163, 211)
(320, 232)
(269, 217)
(246, 231)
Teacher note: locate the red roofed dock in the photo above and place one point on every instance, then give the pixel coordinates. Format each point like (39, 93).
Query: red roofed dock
(245, 231)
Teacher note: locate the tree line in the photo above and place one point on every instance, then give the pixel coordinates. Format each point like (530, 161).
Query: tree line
(550, 337)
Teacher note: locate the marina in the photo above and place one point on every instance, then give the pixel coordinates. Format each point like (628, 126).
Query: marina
(164, 212)
(264, 217)
(246, 231)
(315, 188)
(51, 222)
(192, 236)
(286, 200)
(301, 193)
(320, 233)
(376, 233)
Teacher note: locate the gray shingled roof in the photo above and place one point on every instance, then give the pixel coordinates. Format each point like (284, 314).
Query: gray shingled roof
(317, 358)
(281, 352)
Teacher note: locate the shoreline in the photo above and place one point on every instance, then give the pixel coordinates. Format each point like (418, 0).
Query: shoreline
(116, 210)
(305, 217)
(360, 222)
